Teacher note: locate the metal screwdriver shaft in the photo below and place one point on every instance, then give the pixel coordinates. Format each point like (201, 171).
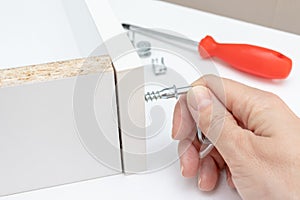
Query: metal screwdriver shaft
(150, 32)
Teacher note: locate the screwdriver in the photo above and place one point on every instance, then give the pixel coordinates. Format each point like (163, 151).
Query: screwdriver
(255, 60)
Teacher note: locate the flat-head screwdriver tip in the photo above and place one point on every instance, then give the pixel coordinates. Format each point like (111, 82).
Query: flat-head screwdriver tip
(126, 26)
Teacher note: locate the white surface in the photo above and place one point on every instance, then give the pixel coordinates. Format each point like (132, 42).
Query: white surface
(124, 59)
(49, 134)
(16, 23)
(40, 143)
(113, 31)
(168, 183)
(35, 32)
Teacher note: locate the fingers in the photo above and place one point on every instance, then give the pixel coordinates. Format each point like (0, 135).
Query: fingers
(208, 169)
(208, 174)
(228, 113)
(183, 123)
(215, 121)
(229, 178)
(189, 158)
(252, 107)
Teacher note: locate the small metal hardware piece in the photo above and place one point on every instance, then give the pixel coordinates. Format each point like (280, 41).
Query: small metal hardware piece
(159, 68)
(144, 49)
(167, 93)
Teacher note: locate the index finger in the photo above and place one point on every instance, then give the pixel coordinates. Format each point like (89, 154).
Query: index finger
(238, 98)
(183, 124)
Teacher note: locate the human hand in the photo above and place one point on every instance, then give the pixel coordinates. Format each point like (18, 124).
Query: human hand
(256, 138)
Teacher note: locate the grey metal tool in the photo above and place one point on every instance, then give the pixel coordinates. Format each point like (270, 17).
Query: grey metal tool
(152, 33)
(131, 36)
(174, 92)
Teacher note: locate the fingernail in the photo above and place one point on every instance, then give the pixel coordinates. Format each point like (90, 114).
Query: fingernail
(181, 169)
(198, 98)
(199, 183)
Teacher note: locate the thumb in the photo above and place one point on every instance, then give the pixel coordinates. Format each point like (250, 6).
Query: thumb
(216, 123)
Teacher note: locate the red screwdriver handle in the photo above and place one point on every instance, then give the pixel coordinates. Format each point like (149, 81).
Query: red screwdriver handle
(255, 60)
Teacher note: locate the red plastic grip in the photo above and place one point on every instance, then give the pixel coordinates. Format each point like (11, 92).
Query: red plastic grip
(255, 60)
